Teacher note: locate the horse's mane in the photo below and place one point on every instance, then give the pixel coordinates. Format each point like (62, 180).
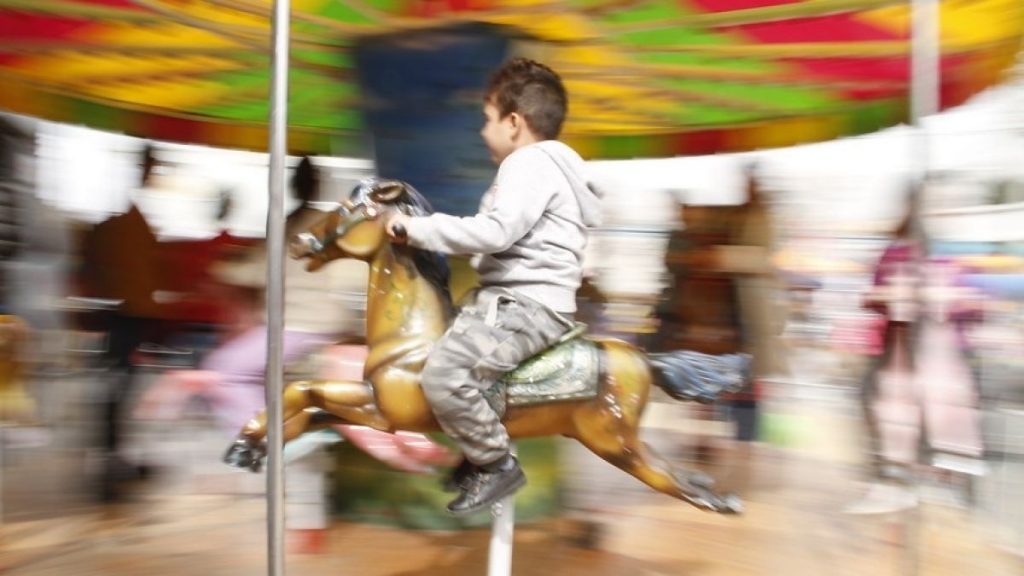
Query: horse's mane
(431, 265)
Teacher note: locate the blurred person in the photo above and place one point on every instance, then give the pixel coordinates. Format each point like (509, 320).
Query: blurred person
(697, 308)
(15, 189)
(528, 240)
(315, 312)
(920, 395)
(894, 295)
(670, 301)
(39, 276)
(12, 192)
(748, 259)
(121, 263)
(40, 279)
(945, 380)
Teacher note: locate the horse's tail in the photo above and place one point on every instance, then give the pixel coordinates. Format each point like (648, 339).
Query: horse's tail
(693, 376)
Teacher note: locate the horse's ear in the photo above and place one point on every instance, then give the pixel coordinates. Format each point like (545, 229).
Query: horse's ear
(387, 191)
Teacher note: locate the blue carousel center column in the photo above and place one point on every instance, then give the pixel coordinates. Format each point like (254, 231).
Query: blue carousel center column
(422, 94)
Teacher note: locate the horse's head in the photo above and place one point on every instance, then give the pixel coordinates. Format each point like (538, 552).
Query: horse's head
(355, 229)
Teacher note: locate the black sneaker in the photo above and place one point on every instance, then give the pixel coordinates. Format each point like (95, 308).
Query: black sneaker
(488, 486)
(460, 477)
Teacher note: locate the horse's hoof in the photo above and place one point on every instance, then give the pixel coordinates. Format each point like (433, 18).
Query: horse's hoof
(730, 504)
(243, 453)
(701, 496)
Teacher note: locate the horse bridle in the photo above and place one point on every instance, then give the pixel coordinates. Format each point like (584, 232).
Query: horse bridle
(351, 215)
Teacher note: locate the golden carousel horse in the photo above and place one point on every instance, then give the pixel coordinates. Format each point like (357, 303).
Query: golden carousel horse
(593, 391)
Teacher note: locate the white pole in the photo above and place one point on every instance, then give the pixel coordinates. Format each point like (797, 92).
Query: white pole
(925, 67)
(275, 288)
(925, 95)
(499, 559)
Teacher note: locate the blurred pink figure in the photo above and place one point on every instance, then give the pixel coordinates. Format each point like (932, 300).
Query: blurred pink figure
(944, 377)
(937, 389)
(898, 408)
(920, 383)
(233, 406)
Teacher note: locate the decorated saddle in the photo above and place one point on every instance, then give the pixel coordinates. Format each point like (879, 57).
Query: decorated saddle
(567, 371)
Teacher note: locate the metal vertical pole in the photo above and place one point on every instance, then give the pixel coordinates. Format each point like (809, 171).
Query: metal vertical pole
(925, 66)
(925, 95)
(275, 288)
(499, 558)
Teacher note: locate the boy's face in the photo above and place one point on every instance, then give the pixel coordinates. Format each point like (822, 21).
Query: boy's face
(500, 134)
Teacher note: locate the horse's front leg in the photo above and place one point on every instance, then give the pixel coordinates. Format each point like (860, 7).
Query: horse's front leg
(350, 401)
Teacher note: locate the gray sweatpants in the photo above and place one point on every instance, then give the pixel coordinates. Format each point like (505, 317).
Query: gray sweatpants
(491, 336)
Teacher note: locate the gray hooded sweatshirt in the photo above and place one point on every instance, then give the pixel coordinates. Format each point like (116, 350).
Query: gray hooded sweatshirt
(530, 232)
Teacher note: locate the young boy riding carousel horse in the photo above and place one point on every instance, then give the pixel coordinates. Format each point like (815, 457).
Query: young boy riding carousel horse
(527, 243)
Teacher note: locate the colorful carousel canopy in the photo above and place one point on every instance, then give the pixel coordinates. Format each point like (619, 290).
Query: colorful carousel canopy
(646, 78)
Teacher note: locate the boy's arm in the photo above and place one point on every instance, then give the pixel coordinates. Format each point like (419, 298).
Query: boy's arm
(522, 191)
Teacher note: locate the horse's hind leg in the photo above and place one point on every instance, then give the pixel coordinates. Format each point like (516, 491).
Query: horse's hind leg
(609, 424)
(617, 442)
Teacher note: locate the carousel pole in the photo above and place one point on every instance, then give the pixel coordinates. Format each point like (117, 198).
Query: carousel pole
(275, 288)
(925, 60)
(503, 524)
(925, 96)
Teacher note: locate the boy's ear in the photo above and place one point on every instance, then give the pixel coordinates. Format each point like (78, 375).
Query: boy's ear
(516, 122)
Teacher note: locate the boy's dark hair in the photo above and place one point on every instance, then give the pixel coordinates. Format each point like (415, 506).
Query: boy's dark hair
(532, 90)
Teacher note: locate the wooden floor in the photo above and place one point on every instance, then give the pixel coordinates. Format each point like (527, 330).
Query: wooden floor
(793, 526)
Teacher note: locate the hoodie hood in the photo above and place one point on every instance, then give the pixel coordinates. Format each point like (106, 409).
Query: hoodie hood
(575, 170)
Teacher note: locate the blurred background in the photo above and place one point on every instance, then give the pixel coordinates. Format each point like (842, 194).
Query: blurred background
(768, 188)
